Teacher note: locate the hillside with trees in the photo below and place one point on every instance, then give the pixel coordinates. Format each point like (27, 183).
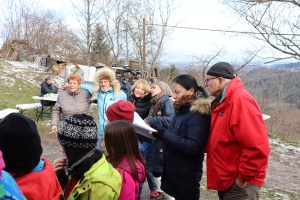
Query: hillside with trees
(277, 92)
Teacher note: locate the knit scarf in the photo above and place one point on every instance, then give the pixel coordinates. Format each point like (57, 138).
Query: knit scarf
(86, 164)
(156, 103)
(215, 102)
(185, 99)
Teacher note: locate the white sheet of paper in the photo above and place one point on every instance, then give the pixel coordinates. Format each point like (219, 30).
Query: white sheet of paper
(141, 127)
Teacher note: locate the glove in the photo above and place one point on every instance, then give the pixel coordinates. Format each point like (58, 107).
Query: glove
(159, 134)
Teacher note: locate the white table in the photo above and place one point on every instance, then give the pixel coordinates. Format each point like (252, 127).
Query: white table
(44, 109)
(53, 98)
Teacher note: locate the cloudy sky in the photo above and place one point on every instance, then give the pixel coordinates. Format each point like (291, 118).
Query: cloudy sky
(185, 44)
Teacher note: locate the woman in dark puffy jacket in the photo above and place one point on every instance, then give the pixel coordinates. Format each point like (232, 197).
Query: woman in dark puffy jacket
(185, 139)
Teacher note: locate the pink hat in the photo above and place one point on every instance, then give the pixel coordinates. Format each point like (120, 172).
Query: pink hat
(120, 110)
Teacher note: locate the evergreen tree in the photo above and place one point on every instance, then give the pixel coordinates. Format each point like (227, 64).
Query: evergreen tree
(100, 50)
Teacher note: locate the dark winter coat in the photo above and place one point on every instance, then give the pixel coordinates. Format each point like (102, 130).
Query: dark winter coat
(184, 143)
(126, 88)
(142, 105)
(45, 89)
(163, 118)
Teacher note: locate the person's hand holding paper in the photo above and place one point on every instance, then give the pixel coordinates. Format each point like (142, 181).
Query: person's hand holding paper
(141, 127)
(160, 131)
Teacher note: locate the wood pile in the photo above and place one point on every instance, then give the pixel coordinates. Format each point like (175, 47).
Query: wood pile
(11, 48)
(58, 68)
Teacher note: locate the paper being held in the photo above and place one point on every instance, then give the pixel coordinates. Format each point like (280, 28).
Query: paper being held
(141, 127)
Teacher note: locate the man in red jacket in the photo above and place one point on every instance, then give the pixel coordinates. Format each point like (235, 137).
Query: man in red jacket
(238, 145)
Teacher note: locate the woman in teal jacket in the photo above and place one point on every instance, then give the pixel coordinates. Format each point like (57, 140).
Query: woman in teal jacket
(106, 91)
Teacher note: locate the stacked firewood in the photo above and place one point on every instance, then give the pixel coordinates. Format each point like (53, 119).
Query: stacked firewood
(58, 68)
(11, 48)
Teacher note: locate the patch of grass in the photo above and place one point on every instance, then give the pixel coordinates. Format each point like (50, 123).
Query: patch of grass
(278, 194)
(21, 91)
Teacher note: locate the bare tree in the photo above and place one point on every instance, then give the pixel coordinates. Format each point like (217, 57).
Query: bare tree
(28, 21)
(124, 29)
(87, 13)
(157, 14)
(113, 15)
(275, 22)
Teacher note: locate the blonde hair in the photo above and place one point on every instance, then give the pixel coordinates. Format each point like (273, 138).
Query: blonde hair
(146, 86)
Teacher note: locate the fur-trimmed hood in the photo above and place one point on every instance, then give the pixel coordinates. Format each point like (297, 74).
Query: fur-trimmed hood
(202, 106)
(106, 73)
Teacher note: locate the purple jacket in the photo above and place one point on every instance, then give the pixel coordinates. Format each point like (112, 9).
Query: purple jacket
(130, 187)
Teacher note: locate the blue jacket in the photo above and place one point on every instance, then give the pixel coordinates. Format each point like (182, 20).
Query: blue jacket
(9, 188)
(184, 143)
(167, 112)
(104, 99)
(156, 148)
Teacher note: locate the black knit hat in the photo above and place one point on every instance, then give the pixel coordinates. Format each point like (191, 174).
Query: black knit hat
(222, 69)
(20, 143)
(78, 136)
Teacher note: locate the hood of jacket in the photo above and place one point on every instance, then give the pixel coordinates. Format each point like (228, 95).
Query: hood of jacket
(106, 73)
(202, 106)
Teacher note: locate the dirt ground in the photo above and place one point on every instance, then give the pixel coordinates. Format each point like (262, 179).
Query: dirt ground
(284, 169)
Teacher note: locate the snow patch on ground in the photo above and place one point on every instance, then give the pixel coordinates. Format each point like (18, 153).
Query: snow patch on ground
(17, 64)
(9, 82)
(285, 146)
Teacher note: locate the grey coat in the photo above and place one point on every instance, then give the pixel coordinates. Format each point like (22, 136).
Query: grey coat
(69, 103)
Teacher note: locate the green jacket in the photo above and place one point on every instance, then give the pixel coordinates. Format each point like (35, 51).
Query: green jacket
(102, 181)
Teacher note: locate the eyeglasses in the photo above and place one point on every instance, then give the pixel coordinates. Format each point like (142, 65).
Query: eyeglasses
(207, 79)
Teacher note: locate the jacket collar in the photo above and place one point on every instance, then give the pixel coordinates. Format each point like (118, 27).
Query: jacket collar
(202, 106)
(110, 90)
(230, 87)
(73, 93)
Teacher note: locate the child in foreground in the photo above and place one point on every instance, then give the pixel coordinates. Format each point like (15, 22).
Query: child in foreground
(120, 144)
(89, 175)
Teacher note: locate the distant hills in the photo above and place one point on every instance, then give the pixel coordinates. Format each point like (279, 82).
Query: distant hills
(281, 65)
(295, 65)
